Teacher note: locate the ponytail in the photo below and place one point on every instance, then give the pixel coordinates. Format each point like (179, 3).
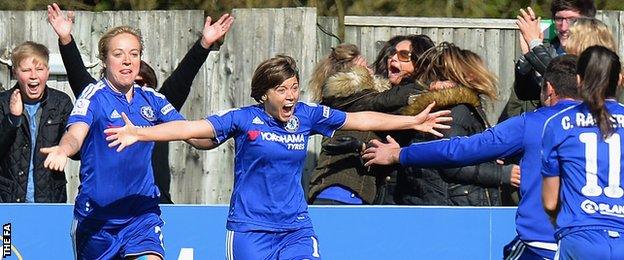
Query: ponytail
(599, 70)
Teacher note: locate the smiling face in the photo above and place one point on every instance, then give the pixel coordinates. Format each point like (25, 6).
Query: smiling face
(399, 68)
(280, 101)
(563, 20)
(31, 75)
(123, 59)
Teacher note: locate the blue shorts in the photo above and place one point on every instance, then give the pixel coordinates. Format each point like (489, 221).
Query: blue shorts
(519, 250)
(591, 244)
(141, 236)
(298, 244)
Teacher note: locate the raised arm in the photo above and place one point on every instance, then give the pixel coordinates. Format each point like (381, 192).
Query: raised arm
(374, 121)
(77, 73)
(178, 85)
(69, 145)
(170, 131)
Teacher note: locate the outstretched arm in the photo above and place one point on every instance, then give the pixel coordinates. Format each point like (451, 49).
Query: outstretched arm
(374, 121)
(500, 141)
(69, 145)
(177, 87)
(170, 131)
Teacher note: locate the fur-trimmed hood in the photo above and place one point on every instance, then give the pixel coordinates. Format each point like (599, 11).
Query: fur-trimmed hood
(344, 84)
(444, 98)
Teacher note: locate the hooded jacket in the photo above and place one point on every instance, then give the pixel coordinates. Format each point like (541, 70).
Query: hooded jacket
(353, 91)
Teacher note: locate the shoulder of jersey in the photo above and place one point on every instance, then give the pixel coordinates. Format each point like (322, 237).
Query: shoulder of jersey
(92, 90)
(151, 91)
(310, 104)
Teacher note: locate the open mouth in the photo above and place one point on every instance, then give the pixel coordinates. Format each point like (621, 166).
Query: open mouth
(394, 71)
(287, 109)
(125, 72)
(33, 87)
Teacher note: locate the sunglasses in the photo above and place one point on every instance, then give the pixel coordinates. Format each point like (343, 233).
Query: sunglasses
(403, 55)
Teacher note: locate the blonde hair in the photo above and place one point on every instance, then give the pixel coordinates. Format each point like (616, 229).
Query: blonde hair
(586, 32)
(104, 42)
(448, 62)
(341, 58)
(30, 49)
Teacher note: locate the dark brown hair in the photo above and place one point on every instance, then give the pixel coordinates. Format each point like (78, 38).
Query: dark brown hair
(148, 74)
(270, 73)
(586, 8)
(561, 74)
(599, 70)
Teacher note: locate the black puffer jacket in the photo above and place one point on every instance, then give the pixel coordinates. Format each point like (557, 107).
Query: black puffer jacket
(15, 149)
(476, 185)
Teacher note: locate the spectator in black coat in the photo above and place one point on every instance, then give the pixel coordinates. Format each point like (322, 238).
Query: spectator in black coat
(32, 116)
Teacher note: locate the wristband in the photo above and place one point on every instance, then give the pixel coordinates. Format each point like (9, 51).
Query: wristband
(534, 43)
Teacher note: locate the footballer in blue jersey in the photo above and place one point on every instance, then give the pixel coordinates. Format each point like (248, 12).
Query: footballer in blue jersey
(517, 135)
(581, 164)
(270, 156)
(116, 213)
(117, 190)
(268, 217)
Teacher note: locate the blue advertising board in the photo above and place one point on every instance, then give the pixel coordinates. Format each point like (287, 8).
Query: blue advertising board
(41, 231)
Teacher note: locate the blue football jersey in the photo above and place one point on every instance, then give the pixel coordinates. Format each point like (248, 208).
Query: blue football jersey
(519, 134)
(269, 160)
(116, 186)
(589, 167)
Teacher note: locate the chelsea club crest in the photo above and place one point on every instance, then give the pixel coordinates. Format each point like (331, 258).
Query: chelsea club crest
(148, 113)
(292, 125)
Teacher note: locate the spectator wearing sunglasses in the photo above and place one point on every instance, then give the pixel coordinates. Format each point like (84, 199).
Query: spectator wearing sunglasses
(396, 58)
(536, 55)
(342, 80)
(396, 62)
(175, 88)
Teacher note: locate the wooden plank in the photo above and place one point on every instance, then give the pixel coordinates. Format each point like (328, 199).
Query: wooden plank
(430, 22)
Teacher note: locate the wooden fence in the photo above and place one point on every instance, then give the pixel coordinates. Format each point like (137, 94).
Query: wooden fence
(257, 34)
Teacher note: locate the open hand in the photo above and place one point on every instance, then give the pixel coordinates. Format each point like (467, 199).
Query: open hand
(429, 122)
(56, 158)
(61, 24)
(122, 136)
(213, 32)
(529, 25)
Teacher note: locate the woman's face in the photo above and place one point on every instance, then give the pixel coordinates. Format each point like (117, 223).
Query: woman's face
(281, 100)
(400, 63)
(123, 60)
